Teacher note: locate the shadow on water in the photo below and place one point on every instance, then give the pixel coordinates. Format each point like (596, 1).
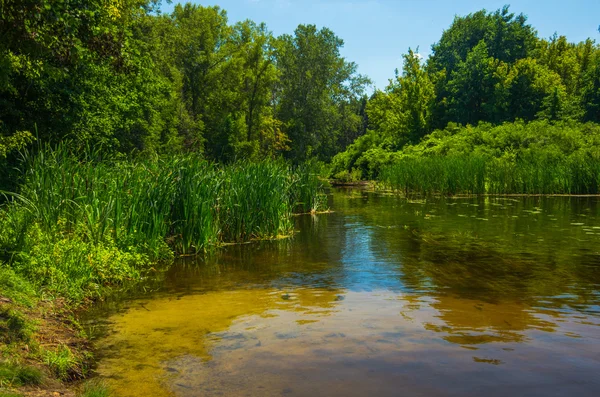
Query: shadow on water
(433, 297)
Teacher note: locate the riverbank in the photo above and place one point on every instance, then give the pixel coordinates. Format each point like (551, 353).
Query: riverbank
(80, 227)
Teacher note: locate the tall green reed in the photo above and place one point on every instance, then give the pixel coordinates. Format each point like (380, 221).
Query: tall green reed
(185, 200)
(529, 173)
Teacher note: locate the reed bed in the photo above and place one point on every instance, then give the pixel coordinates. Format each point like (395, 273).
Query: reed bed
(473, 174)
(185, 201)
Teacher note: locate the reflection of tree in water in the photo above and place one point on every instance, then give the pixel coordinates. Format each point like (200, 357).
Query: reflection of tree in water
(483, 294)
(468, 267)
(494, 268)
(472, 322)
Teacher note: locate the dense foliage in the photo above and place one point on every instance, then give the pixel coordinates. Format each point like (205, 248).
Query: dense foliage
(127, 135)
(539, 157)
(121, 76)
(486, 68)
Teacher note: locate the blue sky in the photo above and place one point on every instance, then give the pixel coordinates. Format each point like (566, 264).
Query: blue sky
(377, 32)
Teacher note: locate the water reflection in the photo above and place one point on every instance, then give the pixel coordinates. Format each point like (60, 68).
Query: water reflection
(385, 294)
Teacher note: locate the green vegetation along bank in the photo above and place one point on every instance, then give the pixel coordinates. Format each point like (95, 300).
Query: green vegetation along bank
(80, 225)
(513, 158)
(488, 69)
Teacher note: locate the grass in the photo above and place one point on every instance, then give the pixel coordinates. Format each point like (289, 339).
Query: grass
(474, 174)
(63, 363)
(14, 375)
(95, 389)
(443, 175)
(14, 327)
(80, 225)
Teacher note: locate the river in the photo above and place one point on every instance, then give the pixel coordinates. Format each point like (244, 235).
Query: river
(485, 296)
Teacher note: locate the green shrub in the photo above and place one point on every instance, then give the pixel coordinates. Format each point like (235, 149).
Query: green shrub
(75, 268)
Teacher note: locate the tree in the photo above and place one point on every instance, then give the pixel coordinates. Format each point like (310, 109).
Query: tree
(57, 58)
(402, 114)
(591, 90)
(315, 81)
(531, 90)
(471, 87)
(258, 75)
(417, 96)
(507, 38)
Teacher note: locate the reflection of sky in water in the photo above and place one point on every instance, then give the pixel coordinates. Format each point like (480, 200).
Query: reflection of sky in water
(365, 269)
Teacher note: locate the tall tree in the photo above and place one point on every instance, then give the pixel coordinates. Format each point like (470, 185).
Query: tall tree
(530, 90)
(507, 38)
(73, 68)
(258, 75)
(403, 113)
(591, 90)
(471, 87)
(315, 81)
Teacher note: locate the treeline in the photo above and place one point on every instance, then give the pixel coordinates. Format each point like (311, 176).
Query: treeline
(121, 76)
(486, 68)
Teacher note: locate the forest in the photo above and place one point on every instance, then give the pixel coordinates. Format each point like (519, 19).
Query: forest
(127, 80)
(129, 136)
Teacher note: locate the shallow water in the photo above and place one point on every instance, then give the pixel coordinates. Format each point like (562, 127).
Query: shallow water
(385, 296)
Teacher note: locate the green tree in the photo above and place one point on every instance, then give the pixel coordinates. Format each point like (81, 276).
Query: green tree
(314, 84)
(507, 38)
(591, 90)
(74, 69)
(531, 90)
(403, 113)
(471, 87)
(258, 75)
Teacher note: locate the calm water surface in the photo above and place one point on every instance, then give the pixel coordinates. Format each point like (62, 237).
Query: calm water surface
(384, 297)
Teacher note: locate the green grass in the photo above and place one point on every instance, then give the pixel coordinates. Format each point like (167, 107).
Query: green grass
(15, 288)
(95, 389)
(63, 363)
(442, 175)
(13, 375)
(536, 173)
(14, 326)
